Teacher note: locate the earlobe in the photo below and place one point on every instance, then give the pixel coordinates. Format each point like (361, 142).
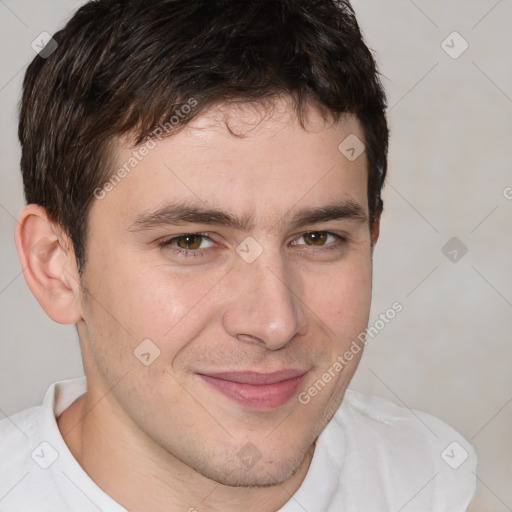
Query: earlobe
(48, 264)
(375, 231)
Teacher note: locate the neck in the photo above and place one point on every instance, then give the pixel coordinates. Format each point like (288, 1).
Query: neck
(140, 475)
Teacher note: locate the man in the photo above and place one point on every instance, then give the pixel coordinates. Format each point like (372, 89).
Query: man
(203, 182)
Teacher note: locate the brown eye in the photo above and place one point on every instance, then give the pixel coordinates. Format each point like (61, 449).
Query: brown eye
(190, 242)
(316, 237)
(187, 245)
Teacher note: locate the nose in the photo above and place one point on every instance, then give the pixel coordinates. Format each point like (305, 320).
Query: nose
(264, 305)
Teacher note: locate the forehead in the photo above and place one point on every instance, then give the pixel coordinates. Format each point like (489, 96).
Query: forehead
(245, 159)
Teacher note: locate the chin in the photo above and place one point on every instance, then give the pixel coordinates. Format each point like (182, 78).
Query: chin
(267, 472)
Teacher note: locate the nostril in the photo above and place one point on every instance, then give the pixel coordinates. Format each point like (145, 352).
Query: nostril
(249, 338)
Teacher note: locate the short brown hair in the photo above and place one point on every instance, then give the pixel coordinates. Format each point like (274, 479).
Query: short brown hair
(125, 67)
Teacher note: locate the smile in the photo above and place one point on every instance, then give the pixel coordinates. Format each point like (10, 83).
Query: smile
(257, 391)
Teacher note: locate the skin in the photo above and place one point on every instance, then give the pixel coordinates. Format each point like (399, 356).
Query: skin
(172, 438)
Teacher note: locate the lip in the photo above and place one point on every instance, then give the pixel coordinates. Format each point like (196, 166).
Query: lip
(255, 390)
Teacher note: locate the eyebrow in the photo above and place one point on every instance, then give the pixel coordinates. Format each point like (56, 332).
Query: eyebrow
(181, 213)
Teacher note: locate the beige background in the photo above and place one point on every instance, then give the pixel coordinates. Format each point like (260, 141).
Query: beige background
(449, 351)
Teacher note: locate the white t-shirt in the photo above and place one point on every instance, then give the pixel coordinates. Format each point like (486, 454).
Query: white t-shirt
(373, 456)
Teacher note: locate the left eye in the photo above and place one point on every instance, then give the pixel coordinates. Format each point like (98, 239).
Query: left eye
(319, 238)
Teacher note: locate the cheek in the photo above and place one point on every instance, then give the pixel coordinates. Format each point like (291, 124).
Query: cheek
(169, 304)
(152, 302)
(343, 302)
(154, 306)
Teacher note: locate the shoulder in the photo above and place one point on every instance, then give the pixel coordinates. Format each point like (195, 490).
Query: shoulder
(35, 464)
(17, 433)
(407, 451)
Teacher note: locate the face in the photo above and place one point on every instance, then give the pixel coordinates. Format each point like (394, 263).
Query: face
(225, 276)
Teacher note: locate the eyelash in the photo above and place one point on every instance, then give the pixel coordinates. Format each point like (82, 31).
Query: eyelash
(194, 253)
(185, 253)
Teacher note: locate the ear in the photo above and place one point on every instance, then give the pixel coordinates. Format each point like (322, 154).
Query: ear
(48, 263)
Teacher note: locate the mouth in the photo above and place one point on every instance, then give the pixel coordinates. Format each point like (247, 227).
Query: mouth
(257, 391)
